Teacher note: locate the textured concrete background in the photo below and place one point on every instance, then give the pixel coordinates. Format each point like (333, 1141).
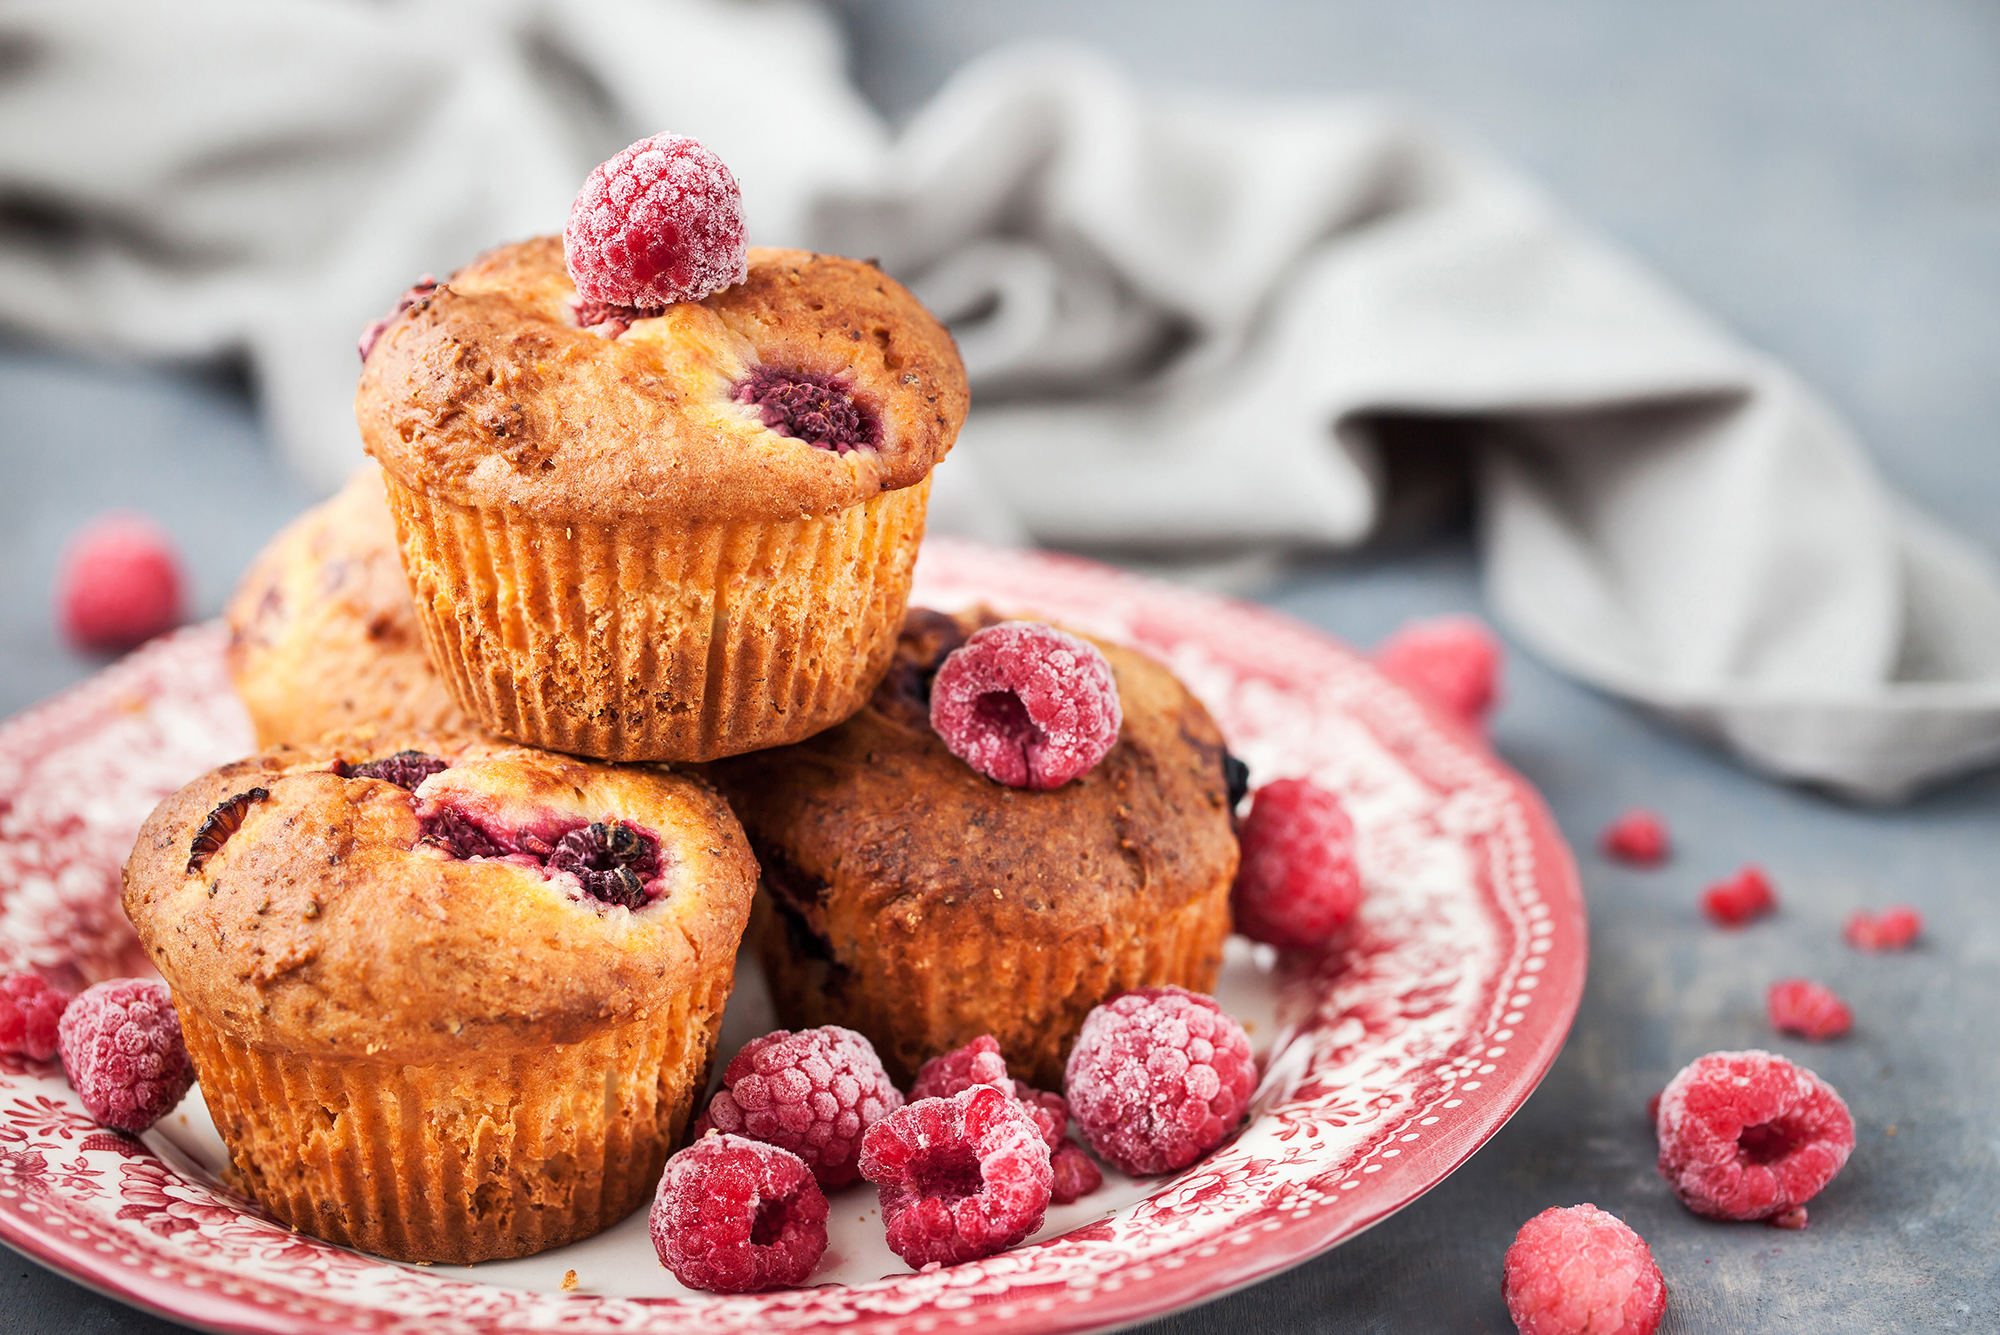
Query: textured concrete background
(1824, 175)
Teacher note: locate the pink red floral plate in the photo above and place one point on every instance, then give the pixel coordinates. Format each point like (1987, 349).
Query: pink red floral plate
(1384, 1064)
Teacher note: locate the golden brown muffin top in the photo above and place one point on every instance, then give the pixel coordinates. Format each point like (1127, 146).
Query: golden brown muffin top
(879, 814)
(485, 392)
(299, 905)
(322, 634)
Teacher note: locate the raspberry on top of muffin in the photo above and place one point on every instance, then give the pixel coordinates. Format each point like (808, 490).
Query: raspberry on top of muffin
(816, 383)
(914, 899)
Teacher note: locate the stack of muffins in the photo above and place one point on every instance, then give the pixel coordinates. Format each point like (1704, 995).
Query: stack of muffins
(451, 952)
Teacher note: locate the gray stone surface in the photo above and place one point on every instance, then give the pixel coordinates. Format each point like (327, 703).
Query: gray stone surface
(1822, 174)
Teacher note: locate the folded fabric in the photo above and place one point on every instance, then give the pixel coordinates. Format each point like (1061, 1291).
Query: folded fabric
(1191, 322)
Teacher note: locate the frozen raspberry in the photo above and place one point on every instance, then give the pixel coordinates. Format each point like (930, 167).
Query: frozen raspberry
(1748, 1135)
(959, 1178)
(405, 769)
(1580, 1271)
(1454, 660)
(733, 1215)
(1076, 1174)
(1742, 897)
(1026, 704)
(1639, 837)
(376, 328)
(614, 862)
(661, 222)
(980, 1063)
(815, 1092)
(29, 1010)
(1894, 929)
(1157, 1078)
(811, 408)
(977, 1063)
(1297, 884)
(121, 1046)
(1799, 1006)
(119, 585)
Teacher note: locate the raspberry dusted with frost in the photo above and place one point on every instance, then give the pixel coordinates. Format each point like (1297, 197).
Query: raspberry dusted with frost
(662, 222)
(1297, 884)
(1454, 660)
(119, 585)
(1741, 898)
(1748, 1135)
(1026, 704)
(122, 1049)
(959, 1178)
(1895, 929)
(1638, 837)
(980, 1063)
(1075, 1173)
(815, 1092)
(733, 1215)
(977, 1063)
(1580, 1271)
(1800, 1006)
(1157, 1078)
(29, 1011)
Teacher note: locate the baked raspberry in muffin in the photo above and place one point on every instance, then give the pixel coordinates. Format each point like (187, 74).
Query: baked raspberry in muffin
(675, 534)
(448, 999)
(912, 898)
(322, 637)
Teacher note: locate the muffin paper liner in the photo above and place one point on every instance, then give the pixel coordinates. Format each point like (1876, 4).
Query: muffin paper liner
(497, 1155)
(644, 641)
(917, 995)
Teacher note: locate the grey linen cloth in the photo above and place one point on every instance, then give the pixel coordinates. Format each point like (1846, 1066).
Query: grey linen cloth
(1192, 323)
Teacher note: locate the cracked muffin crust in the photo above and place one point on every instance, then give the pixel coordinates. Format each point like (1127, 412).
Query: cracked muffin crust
(677, 538)
(911, 898)
(449, 999)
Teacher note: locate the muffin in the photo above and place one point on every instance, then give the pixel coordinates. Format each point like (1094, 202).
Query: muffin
(910, 898)
(322, 637)
(448, 999)
(688, 540)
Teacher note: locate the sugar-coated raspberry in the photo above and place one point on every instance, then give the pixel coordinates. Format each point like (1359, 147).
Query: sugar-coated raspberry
(959, 1178)
(376, 328)
(1297, 884)
(733, 1215)
(122, 1048)
(1639, 837)
(1748, 1135)
(977, 1063)
(1895, 928)
(815, 1092)
(1455, 660)
(1580, 1271)
(29, 1011)
(1026, 704)
(120, 584)
(1745, 896)
(1800, 1006)
(1075, 1173)
(1157, 1078)
(661, 222)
